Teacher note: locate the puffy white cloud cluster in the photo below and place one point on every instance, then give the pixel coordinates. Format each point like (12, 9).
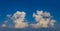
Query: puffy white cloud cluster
(18, 19)
(43, 19)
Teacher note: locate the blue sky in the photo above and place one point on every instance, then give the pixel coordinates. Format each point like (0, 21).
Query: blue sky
(29, 6)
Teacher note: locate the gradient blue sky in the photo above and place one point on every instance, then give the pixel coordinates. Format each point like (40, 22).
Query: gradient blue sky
(29, 6)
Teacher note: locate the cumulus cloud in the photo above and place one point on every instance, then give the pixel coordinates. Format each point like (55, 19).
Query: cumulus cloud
(43, 19)
(18, 19)
(3, 25)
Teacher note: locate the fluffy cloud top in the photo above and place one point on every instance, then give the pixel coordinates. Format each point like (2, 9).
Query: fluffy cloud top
(18, 19)
(43, 19)
(3, 25)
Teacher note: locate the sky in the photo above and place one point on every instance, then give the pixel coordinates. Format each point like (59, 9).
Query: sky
(27, 8)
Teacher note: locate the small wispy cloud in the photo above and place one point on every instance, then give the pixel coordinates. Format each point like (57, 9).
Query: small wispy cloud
(8, 15)
(3, 25)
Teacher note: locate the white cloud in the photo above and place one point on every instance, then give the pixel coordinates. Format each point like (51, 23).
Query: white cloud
(18, 19)
(43, 19)
(47, 14)
(8, 15)
(3, 25)
(52, 22)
